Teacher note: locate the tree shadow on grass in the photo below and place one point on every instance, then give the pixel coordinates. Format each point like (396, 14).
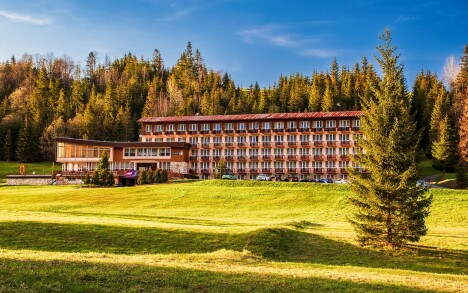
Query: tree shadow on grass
(278, 244)
(70, 276)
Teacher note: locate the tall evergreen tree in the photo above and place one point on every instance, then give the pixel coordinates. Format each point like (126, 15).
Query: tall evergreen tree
(8, 147)
(444, 148)
(390, 209)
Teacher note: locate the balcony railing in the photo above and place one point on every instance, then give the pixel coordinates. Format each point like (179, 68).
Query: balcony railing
(229, 158)
(292, 157)
(305, 170)
(205, 171)
(331, 170)
(331, 143)
(253, 158)
(305, 157)
(292, 170)
(241, 158)
(317, 129)
(216, 131)
(318, 143)
(343, 171)
(355, 128)
(205, 145)
(241, 170)
(318, 170)
(192, 131)
(241, 144)
(266, 144)
(218, 144)
(278, 130)
(228, 130)
(344, 128)
(291, 129)
(318, 157)
(229, 144)
(279, 157)
(279, 143)
(302, 129)
(330, 128)
(266, 157)
(265, 130)
(253, 170)
(305, 142)
(292, 143)
(253, 130)
(331, 157)
(253, 144)
(205, 158)
(193, 158)
(279, 170)
(345, 143)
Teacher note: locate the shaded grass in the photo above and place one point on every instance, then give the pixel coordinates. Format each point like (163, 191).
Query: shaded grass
(7, 168)
(279, 244)
(67, 276)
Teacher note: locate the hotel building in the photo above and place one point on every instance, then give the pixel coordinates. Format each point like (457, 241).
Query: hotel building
(313, 145)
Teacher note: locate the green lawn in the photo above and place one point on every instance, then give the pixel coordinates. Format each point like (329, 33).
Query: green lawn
(216, 236)
(7, 168)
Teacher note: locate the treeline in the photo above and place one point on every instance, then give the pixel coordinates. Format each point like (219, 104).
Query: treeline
(42, 97)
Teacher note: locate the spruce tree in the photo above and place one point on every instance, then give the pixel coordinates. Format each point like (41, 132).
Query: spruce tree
(444, 148)
(102, 176)
(8, 146)
(389, 209)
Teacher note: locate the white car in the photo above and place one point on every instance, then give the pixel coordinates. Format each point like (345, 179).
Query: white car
(341, 181)
(263, 177)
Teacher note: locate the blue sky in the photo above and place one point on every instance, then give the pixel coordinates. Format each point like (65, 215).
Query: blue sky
(252, 40)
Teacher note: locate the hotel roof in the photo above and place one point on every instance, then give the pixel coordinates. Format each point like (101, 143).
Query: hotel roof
(122, 144)
(249, 117)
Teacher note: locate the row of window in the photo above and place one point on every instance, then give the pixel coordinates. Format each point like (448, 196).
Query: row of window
(344, 137)
(242, 126)
(147, 152)
(275, 151)
(276, 165)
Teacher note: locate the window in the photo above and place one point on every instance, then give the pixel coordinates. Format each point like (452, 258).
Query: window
(229, 139)
(229, 165)
(278, 152)
(343, 164)
(357, 123)
(279, 125)
(158, 128)
(194, 165)
(193, 141)
(331, 137)
(279, 138)
(241, 126)
(170, 127)
(266, 165)
(165, 165)
(292, 124)
(303, 151)
(194, 153)
(129, 152)
(148, 128)
(240, 165)
(291, 165)
(253, 152)
(241, 152)
(229, 152)
(344, 123)
(330, 164)
(317, 124)
(216, 153)
(317, 151)
(266, 125)
(193, 127)
(205, 127)
(343, 151)
(317, 164)
(241, 139)
(304, 137)
(228, 126)
(217, 126)
(304, 165)
(291, 151)
(170, 139)
(253, 125)
(344, 138)
(330, 151)
(217, 140)
(291, 138)
(205, 153)
(267, 138)
(305, 124)
(330, 124)
(253, 138)
(266, 152)
(279, 165)
(205, 140)
(148, 139)
(317, 137)
(181, 139)
(158, 139)
(181, 127)
(164, 152)
(253, 165)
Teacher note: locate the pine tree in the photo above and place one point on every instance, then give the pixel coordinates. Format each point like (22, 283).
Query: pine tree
(164, 176)
(390, 209)
(141, 177)
(444, 148)
(8, 147)
(101, 175)
(157, 176)
(328, 103)
(26, 146)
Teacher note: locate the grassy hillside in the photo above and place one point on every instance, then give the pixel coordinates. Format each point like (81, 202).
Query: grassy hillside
(216, 236)
(38, 168)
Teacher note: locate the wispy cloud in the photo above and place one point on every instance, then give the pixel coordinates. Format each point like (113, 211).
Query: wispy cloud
(320, 53)
(17, 17)
(279, 36)
(178, 14)
(268, 34)
(404, 18)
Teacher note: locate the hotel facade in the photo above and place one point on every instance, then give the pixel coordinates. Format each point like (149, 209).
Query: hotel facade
(312, 145)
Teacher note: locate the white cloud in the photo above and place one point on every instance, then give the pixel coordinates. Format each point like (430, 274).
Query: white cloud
(273, 34)
(268, 34)
(25, 18)
(320, 53)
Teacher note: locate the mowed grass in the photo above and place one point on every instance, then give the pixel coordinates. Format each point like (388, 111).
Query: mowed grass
(216, 236)
(13, 168)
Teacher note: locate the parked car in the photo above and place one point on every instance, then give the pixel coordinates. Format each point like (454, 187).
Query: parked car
(305, 180)
(422, 183)
(229, 176)
(263, 177)
(322, 180)
(341, 181)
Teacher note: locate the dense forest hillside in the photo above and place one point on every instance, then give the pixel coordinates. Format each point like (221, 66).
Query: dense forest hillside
(42, 97)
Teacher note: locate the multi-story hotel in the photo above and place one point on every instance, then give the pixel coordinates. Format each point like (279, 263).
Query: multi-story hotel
(314, 145)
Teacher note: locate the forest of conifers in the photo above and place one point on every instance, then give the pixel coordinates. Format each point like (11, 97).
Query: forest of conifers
(42, 97)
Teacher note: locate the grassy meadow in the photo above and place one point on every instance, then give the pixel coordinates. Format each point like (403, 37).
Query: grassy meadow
(216, 236)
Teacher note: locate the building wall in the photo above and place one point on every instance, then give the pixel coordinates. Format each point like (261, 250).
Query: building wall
(293, 156)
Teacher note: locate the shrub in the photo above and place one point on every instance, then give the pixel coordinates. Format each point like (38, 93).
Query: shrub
(141, 177)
